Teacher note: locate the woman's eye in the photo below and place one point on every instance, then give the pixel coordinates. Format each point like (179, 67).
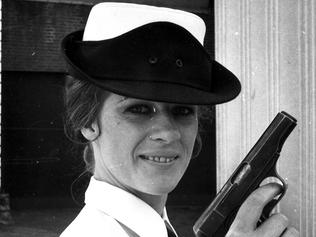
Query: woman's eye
(183, 111)
(139, 109)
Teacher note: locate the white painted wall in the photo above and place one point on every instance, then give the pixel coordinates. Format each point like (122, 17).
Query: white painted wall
(271, 46)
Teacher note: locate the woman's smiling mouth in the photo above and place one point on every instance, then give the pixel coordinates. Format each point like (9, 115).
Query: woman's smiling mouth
(159, 159)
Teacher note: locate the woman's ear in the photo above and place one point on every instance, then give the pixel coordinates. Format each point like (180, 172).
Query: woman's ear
(91, 133)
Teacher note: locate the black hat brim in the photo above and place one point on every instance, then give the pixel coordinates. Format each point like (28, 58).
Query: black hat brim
(223, 86)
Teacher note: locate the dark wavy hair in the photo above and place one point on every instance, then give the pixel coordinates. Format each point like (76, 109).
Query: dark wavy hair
(83, 101)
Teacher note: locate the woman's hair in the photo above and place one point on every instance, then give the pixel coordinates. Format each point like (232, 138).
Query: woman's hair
(83, 101)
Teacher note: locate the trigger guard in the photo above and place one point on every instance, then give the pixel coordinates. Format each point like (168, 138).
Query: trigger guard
(273, 173)
(269, 207)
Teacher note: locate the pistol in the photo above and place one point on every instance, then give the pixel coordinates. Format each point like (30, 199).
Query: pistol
(259, 164)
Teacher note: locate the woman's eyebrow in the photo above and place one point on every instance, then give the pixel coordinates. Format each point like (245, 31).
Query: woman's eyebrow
(123, 99)
(134, 99)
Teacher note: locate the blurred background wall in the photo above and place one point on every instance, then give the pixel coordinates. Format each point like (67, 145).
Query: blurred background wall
(271, 46)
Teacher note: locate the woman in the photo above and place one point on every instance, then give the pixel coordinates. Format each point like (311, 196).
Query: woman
(140, 78)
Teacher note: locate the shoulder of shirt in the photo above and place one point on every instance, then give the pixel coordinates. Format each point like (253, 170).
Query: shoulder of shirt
(93, 222)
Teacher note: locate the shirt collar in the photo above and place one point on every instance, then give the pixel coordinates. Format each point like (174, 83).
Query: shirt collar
(127, 209)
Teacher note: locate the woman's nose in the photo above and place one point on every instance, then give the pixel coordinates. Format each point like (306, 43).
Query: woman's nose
(164, 130)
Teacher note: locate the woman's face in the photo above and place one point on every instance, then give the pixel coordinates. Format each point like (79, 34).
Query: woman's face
(144, 146)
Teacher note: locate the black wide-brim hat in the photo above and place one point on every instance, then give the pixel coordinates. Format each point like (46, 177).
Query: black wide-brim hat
(159, 61)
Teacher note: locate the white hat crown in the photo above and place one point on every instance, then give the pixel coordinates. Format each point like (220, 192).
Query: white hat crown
(111, 19)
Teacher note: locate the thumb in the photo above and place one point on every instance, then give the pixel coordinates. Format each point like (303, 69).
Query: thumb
(250, 211)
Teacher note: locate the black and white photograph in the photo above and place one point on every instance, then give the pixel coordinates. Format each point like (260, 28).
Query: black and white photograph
(156, 118)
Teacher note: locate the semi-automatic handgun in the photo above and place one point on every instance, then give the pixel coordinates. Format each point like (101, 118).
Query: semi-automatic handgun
(259, 164)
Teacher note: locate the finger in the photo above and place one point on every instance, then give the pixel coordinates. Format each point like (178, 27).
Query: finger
(291, 232)
(274, 226)
(250, 211)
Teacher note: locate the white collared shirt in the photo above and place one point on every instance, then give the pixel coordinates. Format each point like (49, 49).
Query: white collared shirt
(107, 206)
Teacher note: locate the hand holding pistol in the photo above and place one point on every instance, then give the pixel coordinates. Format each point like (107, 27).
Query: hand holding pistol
(259, 164)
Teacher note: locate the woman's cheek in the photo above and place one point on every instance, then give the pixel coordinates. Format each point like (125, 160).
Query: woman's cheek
(191, 134)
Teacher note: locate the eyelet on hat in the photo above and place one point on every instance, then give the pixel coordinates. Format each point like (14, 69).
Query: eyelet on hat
(179, 62)
(152, 60)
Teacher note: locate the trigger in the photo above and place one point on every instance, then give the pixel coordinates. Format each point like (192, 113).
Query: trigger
(267, 211)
